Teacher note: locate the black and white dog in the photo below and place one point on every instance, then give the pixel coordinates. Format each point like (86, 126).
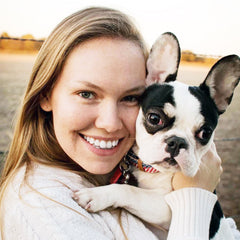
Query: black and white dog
(174, 129)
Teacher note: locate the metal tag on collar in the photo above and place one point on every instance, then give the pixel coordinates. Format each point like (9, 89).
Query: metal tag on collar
(125, 168)
(122, 174)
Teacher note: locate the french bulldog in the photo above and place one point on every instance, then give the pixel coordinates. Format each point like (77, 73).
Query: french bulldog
(174, 129)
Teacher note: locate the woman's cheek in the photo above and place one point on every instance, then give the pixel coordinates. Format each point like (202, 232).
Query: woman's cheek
(132, 117)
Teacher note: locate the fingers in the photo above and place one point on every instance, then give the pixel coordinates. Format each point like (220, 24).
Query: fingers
(211, 159)
(208, 175)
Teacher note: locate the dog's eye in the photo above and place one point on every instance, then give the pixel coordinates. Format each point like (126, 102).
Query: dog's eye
(154, 119)
(204, 134)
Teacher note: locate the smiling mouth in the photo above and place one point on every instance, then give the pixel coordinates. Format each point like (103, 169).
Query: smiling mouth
(101, 144)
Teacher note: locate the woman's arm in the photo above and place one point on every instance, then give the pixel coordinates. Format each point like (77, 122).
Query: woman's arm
(191, 213)
(46, 210)
(192, 201)
(49, 214)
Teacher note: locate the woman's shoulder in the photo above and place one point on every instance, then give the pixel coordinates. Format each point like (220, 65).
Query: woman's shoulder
(45, 176)
(41, 188)
(42, 198)
(42, 182)
(55, 176)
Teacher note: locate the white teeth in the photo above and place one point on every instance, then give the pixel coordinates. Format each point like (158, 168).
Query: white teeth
(97, 143)
(101, 143)
(109, 144)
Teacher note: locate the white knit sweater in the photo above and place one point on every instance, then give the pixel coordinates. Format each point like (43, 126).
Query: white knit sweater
(46, 210)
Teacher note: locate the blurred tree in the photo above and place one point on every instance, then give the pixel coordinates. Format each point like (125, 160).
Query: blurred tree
(188, 56)
(27, 45)
(4, 34)
(4, 43)
(27, 36)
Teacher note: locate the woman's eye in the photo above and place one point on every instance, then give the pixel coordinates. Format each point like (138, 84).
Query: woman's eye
(87, 95)
(131, 99)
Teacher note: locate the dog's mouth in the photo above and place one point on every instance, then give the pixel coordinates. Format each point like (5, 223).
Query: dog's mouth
(171, 161)
(167, 163)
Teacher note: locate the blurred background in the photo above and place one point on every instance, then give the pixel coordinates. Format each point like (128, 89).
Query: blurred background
(207, 30)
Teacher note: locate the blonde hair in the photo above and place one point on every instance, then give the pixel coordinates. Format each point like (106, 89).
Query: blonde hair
(34, 139)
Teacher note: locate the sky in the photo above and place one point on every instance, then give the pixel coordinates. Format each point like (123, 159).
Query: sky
(205, 27)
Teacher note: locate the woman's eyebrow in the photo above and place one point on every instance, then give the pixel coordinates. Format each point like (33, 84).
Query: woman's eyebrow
(91, 85)
(137, 89)
(140, 88)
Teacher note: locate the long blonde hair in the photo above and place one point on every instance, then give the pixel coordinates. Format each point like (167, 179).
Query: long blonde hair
(34, 139)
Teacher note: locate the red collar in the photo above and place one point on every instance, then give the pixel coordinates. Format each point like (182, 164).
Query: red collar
(137, 162)
(122, 175)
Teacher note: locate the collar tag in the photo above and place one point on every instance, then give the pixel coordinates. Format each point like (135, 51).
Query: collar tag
(122, 174)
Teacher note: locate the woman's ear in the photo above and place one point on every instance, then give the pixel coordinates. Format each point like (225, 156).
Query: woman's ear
(45, 104)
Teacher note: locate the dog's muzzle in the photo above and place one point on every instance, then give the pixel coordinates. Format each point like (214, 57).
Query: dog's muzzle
(174, 145)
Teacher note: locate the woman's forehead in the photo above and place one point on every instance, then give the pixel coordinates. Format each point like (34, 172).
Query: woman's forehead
(106, 62)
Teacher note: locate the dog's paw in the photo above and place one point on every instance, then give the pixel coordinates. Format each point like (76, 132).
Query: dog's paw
(92, 199)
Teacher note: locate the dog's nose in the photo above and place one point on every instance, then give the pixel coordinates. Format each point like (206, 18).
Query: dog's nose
(174, 144)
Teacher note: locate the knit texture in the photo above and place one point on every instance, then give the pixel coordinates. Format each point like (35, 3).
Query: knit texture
(46, 210)
(195, 217)
(191, 216)
(43, 208)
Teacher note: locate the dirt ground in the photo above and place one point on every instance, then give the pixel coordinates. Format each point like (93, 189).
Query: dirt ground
(15, 71)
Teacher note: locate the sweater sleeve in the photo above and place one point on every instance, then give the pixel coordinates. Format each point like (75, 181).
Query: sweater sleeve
(191, 213)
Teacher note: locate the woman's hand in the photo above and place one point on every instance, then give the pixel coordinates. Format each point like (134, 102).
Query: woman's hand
(208, 175)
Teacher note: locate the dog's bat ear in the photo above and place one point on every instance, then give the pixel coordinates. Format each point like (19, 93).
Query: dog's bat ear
(163, 61)
(221, 81)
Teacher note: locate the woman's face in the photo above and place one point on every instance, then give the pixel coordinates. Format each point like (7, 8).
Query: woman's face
(94, 102)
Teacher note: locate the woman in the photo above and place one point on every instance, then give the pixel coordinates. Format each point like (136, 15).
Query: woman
(76, 123)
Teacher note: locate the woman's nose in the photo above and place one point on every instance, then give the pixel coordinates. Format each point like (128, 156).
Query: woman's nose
(109, 118)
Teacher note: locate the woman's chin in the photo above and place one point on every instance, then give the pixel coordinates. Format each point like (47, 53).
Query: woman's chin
(101, 170)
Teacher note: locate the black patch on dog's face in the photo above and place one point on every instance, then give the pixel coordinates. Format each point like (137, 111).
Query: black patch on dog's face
(157, 95)
(209, 112)
(152, 102)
